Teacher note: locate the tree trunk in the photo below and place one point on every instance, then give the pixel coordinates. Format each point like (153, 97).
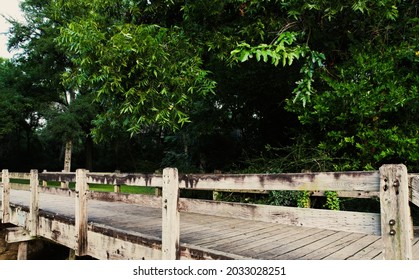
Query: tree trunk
(89, 153)
(67, 161)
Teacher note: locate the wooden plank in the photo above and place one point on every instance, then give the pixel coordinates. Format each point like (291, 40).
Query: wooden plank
(269, 238)
(81, 212)
(247, 237)
(22, 251)
(58, 176)
(5, 196)
(350, 194)
(336, 244)
(330, 181)
(18, 186)
(230, 236)
(17, 234)
(284, 235)
(370, 252)
(414, 183)
(145, 200)
(396, 223)
(288, 243)
(170, 215)
(58, 191)
(145, 180)
(34, 203)
(318, 244)
(18, 175)
(368, 223)
(348, 251)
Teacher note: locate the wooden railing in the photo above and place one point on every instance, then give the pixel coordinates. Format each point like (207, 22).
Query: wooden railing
(392, 184)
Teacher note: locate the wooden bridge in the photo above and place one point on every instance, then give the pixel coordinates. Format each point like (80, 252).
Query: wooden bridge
(114, 225)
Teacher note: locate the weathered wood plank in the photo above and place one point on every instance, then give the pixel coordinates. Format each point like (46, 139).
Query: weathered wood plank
(5, 196)
(146, 200)
(396, 223)
(17, 234)
(34, 203)
(286, 234)
(19, 175)
(369, 252)
(262, 240)
(353, 248)
(293, 251)
(146, 180)
(334, 245)
(330, 181)
(81, 212)
(368, 223)
(289, 243)
(18, 186)
(22, 251)
(58, 191)
(58, 176)
(414, 183)
(350, 194)
(170, 215)
(317, 245)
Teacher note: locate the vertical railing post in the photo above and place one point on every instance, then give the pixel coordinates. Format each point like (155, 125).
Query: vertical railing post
(34, 203)
(81, 212)
(5, 196)
(170, 215)
(396, 222)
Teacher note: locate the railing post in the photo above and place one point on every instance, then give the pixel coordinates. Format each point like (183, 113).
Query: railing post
(170, 215)
(396, 222)
(34, 203)
(81, 212)
(5, 196)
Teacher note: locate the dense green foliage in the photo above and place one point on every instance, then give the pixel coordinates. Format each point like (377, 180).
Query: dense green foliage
(237, 86)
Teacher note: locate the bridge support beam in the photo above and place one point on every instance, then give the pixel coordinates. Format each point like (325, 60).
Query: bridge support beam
(21, 236)
(170, 215)
(396, 222)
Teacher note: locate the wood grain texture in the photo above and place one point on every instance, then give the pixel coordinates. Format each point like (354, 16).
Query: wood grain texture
(170, 215)
(81, 214)
(330, 181)
(34, 203)
(396, 223)
(5, 196)
(414, 183)
(368, 223)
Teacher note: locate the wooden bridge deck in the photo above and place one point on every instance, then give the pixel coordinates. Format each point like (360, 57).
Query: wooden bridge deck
(220, 237)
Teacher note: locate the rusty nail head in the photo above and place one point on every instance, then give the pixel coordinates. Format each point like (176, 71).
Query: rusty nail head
(396, 183)
(165, 201)
(392, 222)
(392, 232)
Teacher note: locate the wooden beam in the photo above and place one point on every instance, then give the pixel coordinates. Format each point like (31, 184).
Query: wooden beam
(396, 222)
(18, 175)
(141, 199)
(58, 176)
(34, 203)
(17, 234)
(81, 212)
(366, 223)
(414, 183)
(22, 251)
(5, 196)
(323, 181)
(170, 215)
(147, 180)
